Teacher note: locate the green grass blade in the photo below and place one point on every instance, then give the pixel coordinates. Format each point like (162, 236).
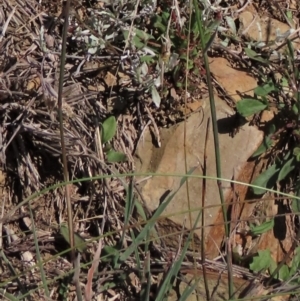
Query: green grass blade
(152, 221)
(171, 275)
(12, 270)
(8, 296)
(188, 290)
(129, 204)
(146, 285)
(38, 255)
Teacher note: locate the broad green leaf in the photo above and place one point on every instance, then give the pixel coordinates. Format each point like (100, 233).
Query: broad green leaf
(148, 59)
(165, 16)
(267, 179)
(284, 273)
(295, 265)
(249, 106)
(126, 34)
(265, 89)
(231, 24)
(254, 56)
(161, 22)
(138, 37)
(272, 267)
(296, 206)
(265, 145)
(284, 82)
(160, 26)
(109, 128)
(137, 42)
(288, 167)
(80, 243)
(115, 157)
(143, 35)
(262, 261)
(296, 153)
(264, 227)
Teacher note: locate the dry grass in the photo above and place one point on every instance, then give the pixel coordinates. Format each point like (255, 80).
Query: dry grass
(30, 151)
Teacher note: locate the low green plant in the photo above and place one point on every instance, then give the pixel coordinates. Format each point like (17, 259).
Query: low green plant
(282, 134)
(264, 262)
(178, 37)
(109, 129)
(64, 287)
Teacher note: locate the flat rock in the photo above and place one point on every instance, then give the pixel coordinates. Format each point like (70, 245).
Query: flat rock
(261, 28)
(170, 159)
(235, 82)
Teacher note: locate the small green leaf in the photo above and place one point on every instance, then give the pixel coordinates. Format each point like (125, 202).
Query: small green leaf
(231, 24)
(126, 34)
(265, 145)
(265, 89)
(165, 17)
(296, 206)
(264, 227)
(80, 243)
(267, 179)
(160, 26)
(137, 42)
(109, 128)
(290, 16)
(261, 262)
(288, 167)
(254, 56)
(109, 254)
(272, 267)
(295, 262)
(160, 22)
(296, 153)
(115, 157)
(143, 35)
(249, 106)
(284, 273)
(148, 59)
